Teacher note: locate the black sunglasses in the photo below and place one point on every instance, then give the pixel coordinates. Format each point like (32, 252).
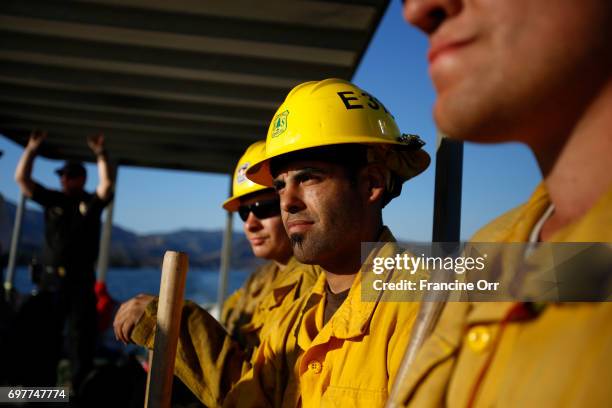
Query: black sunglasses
(70, 175)
(260, 209)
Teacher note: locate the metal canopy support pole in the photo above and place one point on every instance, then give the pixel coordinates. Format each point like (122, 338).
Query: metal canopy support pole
(105, 238)
(105, 242)
(226, 255)
(447, 196)
(12, 262)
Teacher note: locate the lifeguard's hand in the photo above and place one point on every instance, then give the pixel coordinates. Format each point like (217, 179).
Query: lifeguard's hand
(128, 315)
(96, 143)
(36, 139)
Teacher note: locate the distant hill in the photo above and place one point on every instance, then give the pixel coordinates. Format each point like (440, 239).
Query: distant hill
(129, 248)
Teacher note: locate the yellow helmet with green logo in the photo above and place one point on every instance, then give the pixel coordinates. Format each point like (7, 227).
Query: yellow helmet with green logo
(241, 185)
(332, 112)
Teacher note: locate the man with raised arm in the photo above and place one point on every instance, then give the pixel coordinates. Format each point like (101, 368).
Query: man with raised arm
(72, 234)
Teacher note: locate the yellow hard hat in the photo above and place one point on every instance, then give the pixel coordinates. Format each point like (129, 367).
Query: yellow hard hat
(241, 185)
(332, 112)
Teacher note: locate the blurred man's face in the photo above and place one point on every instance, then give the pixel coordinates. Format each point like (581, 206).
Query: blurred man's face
(266, 235)
(514, 69)
(71, 184)
(322, 211)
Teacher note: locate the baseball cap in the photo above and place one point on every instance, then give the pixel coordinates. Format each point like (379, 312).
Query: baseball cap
(71, 169)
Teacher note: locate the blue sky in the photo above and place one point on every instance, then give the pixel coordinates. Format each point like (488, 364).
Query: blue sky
(394, 69)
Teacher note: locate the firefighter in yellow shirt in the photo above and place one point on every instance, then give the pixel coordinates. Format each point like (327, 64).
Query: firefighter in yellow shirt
(245, 311)
(211, 357)
(336, 157)
(539, 73)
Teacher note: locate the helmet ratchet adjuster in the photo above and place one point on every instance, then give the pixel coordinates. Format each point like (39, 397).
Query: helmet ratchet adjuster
(411, 141)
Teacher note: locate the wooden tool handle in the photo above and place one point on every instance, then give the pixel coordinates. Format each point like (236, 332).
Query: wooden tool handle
(170, 306)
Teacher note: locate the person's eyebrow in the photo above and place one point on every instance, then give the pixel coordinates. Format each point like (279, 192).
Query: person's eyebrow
(309, 171)
(300, 175)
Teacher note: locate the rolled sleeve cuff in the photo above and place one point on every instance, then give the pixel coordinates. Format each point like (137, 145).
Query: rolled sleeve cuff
(144, 331)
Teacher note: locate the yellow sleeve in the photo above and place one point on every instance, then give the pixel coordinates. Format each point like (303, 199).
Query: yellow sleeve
(208, 361)
(144, 330)
(272, 380)
(262, 385)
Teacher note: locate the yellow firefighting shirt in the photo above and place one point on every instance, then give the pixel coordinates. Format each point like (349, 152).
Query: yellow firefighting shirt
(349, 362)
(488, 355)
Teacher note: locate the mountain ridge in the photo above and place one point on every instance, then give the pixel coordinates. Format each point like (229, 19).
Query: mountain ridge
(128, 248)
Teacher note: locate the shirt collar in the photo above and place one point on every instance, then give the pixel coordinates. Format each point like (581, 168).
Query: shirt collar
(594, 226)
(287, 279)
(353, 317)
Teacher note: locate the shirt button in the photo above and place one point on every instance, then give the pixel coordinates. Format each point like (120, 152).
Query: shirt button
(315, 366)
(478, 338)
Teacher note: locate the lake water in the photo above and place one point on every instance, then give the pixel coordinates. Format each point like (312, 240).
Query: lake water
(124, 283)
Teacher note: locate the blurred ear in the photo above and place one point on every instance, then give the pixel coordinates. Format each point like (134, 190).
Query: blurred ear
(374, 182)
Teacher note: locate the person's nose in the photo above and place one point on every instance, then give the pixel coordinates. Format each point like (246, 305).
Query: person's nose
(291, 199)
(428, 15)
(252, 223)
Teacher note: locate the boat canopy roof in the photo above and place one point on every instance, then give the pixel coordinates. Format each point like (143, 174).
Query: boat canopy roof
(182, 84)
